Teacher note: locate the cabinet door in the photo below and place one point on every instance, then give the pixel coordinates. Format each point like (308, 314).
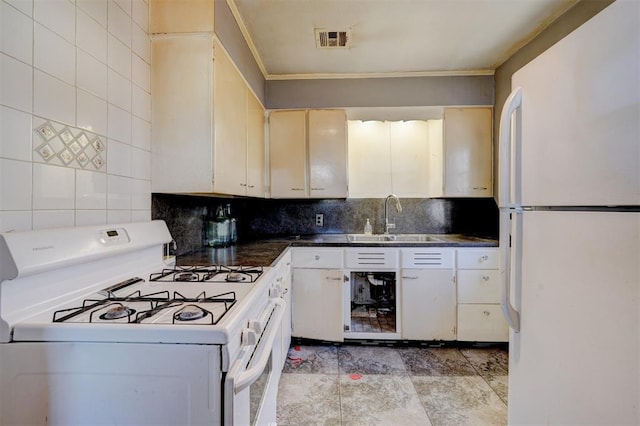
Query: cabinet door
(409, 158)
(230, 126)
(255, 147)
(481, 323)
(327, 154)
(467, 152)
(288, 154)
(369, 165)
(182, 113)
(428, 304)
(317, 304)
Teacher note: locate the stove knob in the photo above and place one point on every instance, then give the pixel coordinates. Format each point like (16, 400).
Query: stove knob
(249, 337)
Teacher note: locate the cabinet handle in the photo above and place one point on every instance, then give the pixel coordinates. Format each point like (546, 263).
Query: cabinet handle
(485, 278)
(334, 279)
(483, 258)
(317, 257)
(243, 184)
(251, 186)
(317, 189)
(285, 291)
(481, 188)
(486, 313)
(409, 278)
(297, 189)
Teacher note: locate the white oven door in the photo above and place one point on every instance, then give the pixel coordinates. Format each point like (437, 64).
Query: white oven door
(251, 385)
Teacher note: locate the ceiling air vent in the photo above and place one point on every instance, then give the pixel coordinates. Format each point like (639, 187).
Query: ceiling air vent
(326, 39)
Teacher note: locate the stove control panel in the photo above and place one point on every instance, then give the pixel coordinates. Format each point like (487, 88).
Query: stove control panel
(113, 237)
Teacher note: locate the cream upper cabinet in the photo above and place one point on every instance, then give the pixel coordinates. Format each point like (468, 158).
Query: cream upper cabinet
(467, 151)
(182, 113)
(288, 154)
(255, 147)
(230, 126)
(307, 154)
(181, 16)
(327, 154)
(389, 157)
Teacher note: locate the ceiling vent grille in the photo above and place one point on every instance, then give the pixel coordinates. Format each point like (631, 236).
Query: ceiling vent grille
(328, 39)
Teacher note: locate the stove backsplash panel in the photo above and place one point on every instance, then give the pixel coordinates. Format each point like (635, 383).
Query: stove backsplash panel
(186, 215)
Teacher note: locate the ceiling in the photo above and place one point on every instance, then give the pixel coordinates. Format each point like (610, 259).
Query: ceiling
(390, 37)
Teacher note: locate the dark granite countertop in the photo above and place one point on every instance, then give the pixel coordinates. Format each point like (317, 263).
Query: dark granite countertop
(266, 252)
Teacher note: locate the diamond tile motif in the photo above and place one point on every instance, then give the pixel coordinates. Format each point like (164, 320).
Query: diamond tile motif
(68, 146)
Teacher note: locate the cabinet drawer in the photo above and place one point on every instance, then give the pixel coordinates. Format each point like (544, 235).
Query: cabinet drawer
(427, 258)
(478, 286)
(478, 259)
(482, 323)
(372, 258)
(317, 258)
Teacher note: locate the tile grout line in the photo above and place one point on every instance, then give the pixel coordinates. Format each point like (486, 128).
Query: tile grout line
(411, 376)
(483, 377)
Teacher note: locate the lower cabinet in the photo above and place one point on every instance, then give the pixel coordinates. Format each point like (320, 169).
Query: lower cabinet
(481, 323)
(283, 278)
(317, 304)
(428, 304)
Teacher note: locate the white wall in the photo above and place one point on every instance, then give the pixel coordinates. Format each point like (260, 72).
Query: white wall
(75, 112)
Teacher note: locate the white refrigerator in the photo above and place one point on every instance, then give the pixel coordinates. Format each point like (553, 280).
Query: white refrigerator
(569, 202)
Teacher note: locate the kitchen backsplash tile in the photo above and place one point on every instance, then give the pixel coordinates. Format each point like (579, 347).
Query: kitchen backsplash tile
(16, 31)
(54, 110)
(260, 218)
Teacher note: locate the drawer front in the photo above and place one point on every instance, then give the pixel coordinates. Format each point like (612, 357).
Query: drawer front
(426, 258)
(317, 258)
(372, 258)
(478, 286)
(481, 323)
(478, 259)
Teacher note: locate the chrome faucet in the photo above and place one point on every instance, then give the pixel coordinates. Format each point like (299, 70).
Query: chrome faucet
(390, 225)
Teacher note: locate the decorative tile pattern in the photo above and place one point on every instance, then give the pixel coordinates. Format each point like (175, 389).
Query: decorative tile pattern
(56, 143)
(308, 399)
(312, 359)
(370, 360)
(436, 362)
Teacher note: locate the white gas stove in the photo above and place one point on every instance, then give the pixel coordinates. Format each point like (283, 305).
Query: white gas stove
(102, 308)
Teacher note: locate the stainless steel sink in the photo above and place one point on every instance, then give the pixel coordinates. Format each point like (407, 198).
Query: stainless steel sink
(392, 238)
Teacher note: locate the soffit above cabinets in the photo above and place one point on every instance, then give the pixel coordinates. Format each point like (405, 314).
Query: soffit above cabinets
(390, 37)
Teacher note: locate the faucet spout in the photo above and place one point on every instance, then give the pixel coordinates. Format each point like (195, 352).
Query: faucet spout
(387, 224)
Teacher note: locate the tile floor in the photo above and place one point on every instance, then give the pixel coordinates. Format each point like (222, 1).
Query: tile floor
(381, 385)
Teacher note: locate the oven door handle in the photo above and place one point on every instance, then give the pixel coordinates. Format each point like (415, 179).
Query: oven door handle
(250, 375)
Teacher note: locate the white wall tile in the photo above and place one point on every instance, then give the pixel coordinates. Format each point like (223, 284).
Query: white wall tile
(119, 23)
(118, 193)
(24, 6)
(141, 195)
(15, 134)
(16, 33)
(141, 134)
(119, 124)
(92, 37)
(141, 73)
(140, 164)
(53, 187)
(16, 83)
(92, 113)
(140, 215)
(91, 75)
(119, 90)
(141, 103)
(57, 15)
(53, 98)
(118, 158)
(141, 43)
(46, 219)
(118, 216)
(140, 13)
(15, 185)
(97, 9)
(91, 217)
(54, 55)
(15, 221)
(91, 190)
(119, 56)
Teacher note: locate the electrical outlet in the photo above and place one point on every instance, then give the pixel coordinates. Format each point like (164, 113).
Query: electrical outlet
(319, 219)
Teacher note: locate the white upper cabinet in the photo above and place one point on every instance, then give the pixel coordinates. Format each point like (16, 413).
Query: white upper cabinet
(327, 154)
(307, 154)
(255, 147)
(467, 151)
(389, 157)
(288, 154)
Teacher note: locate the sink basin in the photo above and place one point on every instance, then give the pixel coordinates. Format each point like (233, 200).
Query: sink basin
(392, 238)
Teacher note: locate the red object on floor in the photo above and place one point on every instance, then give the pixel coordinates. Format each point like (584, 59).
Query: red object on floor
(355, 376)
(296, 348)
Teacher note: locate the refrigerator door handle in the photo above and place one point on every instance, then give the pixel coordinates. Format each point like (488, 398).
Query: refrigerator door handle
(513, 102)
(510, 313)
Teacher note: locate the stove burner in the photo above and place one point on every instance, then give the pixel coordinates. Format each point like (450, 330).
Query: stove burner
(190, 313)
(236, 277)
(116, 312)
(186, 276)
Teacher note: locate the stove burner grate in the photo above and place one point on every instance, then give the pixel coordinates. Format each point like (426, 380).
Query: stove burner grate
(115, 311)
(212, 273)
